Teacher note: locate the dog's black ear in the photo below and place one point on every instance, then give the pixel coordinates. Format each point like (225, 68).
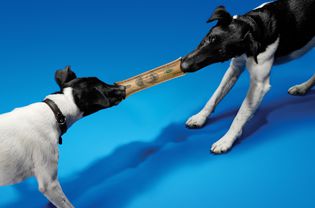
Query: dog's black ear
(253, 44)
(220, 14)
(63, 76)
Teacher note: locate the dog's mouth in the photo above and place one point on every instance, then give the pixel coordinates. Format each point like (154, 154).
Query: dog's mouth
(195, 61)
(117, 94)
(198, 59)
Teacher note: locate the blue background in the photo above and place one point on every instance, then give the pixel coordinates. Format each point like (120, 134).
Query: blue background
(139, 154)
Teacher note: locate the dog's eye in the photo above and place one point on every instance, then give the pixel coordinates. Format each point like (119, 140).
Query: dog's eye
(212, 39)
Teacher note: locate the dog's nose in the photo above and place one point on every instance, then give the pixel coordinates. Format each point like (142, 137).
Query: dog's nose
(187, 64)
(184, 66)
(120, 91)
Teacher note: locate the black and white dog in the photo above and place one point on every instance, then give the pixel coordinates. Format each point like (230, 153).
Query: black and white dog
(273, 33)
(29, 135)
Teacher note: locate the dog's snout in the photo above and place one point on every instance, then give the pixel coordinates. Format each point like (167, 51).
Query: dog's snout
(185, 65)
(121, 87)
(119, 92)
(188, 63)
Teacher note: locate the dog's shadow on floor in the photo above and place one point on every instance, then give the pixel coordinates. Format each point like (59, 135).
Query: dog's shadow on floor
(116, 179)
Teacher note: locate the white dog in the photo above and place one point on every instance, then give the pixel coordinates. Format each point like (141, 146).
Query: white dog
(29, 136)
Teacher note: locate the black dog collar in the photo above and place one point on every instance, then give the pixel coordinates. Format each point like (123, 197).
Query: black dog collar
(61, 119)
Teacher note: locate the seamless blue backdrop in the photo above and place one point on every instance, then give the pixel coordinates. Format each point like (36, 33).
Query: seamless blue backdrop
(139, 154)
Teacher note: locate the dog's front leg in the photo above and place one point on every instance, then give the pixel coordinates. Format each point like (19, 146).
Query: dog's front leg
(259, 86)
(46, 172)
(53, 191)
(303, 88)
(228, 81)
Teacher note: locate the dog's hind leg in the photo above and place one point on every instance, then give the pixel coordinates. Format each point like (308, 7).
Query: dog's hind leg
(303, 88)
(228, 81)
(259, 86)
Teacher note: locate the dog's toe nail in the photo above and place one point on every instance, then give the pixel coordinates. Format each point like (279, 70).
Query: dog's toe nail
(189, 126)
(213, 148)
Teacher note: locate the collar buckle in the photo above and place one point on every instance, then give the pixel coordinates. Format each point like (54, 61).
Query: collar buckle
(61, 119)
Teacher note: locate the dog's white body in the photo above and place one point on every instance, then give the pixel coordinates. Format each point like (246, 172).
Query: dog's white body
(259, 86)
(29, 145)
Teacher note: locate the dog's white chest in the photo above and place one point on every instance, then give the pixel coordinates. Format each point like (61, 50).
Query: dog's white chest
(296, 54)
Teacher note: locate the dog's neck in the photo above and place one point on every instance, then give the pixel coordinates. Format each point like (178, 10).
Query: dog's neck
(67, 106)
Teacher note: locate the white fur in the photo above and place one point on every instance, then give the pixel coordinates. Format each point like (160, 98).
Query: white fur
(228, 81)
(259, 86)
(302, 89)
(29, 145)
(262, 5)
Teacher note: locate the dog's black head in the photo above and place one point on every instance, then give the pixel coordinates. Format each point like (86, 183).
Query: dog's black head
(227, 39)
(90, 94)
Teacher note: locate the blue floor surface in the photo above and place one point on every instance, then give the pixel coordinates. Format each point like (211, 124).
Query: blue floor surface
(139, 154)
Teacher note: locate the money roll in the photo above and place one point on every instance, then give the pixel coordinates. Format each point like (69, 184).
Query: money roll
(152, 77)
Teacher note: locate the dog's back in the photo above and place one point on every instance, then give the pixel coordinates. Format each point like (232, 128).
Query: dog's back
(20, 138)
(291, 20)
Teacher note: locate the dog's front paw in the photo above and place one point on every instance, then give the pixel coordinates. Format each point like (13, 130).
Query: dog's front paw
(196, 121)
(298, 90)
(222, 145)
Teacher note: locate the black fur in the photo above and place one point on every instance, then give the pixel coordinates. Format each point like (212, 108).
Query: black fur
(290, 20)
(220, 14)
(90, 94)
(64, 76)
